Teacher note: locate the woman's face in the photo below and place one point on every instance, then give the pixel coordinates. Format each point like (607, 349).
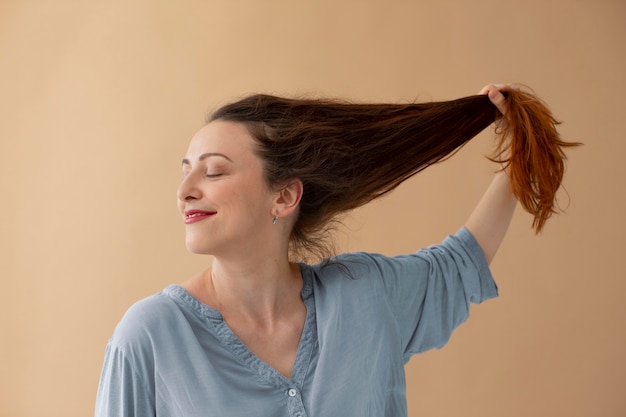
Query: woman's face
(223, 197)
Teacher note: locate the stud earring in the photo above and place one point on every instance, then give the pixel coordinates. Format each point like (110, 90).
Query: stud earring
(275, 219)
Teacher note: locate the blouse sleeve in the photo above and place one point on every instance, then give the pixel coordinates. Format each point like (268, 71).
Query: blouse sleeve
(123, 391)
(429, 293)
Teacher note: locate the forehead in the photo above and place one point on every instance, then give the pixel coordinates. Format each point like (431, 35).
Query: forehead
(228, 138)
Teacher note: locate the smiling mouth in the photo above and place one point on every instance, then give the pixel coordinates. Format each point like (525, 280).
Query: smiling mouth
(193, 216)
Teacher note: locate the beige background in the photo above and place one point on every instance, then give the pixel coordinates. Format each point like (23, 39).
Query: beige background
(99, 98)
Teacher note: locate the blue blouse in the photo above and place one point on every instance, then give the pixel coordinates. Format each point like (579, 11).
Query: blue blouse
(171, 355)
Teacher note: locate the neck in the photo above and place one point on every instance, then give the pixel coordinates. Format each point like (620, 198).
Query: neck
(259, 290)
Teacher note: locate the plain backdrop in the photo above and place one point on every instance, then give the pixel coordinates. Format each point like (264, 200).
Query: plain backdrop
(98, 100)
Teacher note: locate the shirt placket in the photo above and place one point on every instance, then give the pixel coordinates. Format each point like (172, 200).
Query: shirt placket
(295, 406)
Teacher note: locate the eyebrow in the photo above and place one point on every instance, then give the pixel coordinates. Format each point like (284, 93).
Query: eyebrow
(207, 155)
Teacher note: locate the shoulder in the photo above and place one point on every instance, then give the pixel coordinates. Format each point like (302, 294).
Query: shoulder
(349, 265)
(459, 249)
(367, 264)
(353, 270)
(147, 321)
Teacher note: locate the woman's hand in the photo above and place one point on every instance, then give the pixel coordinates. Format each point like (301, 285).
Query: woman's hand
(496, 96)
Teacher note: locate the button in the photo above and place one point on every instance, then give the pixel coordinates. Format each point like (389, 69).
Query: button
(292, 392)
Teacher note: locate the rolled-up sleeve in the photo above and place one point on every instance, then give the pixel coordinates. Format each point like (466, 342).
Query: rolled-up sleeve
(430, 292)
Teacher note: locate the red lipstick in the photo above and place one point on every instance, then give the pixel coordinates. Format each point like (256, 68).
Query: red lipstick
(192, 216)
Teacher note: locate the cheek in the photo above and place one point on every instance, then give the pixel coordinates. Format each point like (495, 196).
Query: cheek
(258, 199)
(250, 195)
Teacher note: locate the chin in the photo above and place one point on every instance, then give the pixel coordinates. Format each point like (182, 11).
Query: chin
(198, 248)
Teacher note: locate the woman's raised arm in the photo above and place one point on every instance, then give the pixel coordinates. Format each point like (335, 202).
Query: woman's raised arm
(490, 219)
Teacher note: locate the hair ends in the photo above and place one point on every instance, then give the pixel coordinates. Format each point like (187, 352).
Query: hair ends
(531, 151)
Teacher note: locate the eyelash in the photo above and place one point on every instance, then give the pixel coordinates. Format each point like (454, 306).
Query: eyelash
(206, 175)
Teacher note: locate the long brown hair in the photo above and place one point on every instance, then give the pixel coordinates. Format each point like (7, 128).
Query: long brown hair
(347, 154)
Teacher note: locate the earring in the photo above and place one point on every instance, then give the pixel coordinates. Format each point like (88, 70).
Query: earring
(275, 219)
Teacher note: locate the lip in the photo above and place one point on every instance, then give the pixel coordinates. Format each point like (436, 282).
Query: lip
(193, 216)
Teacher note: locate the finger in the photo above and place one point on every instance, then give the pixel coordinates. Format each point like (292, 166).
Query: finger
(498, 99)
(489, 87)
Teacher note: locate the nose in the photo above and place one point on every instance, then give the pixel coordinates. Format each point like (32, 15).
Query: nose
(188, 188)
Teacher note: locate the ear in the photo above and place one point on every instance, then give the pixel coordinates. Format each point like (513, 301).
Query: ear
(289, 197)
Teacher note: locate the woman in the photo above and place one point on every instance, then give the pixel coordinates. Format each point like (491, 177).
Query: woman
(258, 334)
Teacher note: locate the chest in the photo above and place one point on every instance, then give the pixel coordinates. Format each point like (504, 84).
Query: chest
(343, 366)
(277, 345)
